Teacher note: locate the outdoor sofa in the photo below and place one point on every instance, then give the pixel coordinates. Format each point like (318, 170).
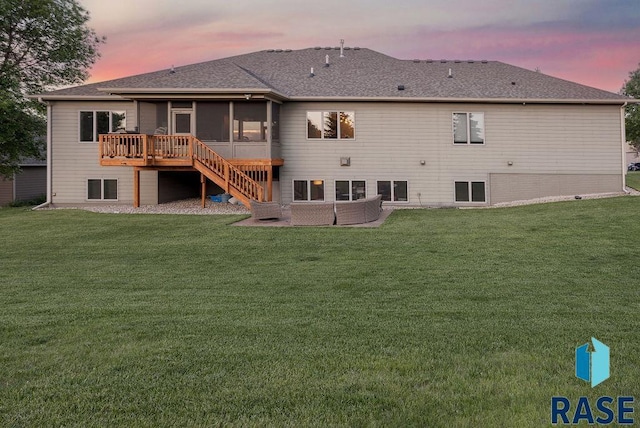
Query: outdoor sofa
(360, 211)
(312, 214)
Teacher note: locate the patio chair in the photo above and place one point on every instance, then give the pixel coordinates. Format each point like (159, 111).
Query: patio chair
(265, 210)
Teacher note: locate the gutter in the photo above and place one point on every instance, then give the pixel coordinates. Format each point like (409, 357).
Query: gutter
(49, 160)
(43, 98)
(623, 137)
(523, 101)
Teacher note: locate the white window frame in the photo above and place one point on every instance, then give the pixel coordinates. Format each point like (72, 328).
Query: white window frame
(470, 190)
(309, 181)
(468, 143)
(338, 137)
(335, 186)
(95, 123)
(393, 191)
(102, 198)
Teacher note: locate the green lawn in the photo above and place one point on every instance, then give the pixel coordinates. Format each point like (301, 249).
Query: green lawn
(633, 179)
(438, 318)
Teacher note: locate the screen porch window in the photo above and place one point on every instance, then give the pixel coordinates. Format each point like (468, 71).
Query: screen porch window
(250, 121)
(212, 120)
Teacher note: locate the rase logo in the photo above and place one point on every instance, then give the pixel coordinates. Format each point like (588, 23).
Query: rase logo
(592, 367)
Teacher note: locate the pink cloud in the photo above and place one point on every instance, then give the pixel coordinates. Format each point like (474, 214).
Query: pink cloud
(596, 58)
(599, 57)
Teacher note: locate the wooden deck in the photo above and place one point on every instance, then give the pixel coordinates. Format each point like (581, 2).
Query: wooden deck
(238, 177)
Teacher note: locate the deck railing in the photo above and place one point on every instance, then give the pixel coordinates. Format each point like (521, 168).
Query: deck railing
(123, 145)
(172, 146)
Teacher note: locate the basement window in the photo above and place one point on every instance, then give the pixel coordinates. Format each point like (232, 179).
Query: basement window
(395, 191)
(308, 190)
(102, 189)
(470, 191)
(350, 190)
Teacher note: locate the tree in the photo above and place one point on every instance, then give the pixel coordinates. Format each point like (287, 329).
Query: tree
(44, 44)
(632, 122)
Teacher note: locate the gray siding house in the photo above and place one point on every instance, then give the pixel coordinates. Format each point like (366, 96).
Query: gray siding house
(335, 124)
(28, 184)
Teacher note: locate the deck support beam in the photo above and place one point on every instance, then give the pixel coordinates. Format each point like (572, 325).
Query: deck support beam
(136, 187)
(203, 191)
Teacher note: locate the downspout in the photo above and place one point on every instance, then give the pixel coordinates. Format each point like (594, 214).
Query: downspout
(49, 161)
(624, 148)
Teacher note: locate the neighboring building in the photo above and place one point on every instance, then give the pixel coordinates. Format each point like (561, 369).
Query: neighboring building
(332, 123)
(28, 184)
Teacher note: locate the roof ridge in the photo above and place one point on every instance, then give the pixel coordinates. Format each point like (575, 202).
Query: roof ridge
(253, 75)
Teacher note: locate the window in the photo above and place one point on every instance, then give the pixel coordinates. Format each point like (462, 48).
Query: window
(393, 191)
(308, 190)
(250, 121)
(181, 122)
(468, 128)
(331, 125)
(350, 190)
(102, 189)
(94, 123)
(470, 191)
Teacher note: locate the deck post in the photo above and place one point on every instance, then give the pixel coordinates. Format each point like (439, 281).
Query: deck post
(136, 187)
(203, 184)
(145, 149)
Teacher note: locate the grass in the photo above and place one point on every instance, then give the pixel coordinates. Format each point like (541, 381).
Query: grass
(633, 179)
(438, 318)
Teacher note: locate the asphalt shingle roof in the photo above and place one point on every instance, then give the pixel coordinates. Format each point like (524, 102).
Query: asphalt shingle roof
(361, 73)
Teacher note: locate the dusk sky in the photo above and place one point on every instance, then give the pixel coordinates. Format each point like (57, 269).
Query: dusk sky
(593, 42)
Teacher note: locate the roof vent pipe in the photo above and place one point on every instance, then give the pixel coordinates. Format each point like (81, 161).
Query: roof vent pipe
(450, 74)
(341, 48)
(326, 61)
(311, 74)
